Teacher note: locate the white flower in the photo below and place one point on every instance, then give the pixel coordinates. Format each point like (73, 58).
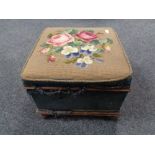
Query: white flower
(91, 48)
(79, 60)
(87, 60)
(107, 31)
(68, 50)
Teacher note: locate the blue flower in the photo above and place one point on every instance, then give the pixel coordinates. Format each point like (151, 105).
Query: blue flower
(69, 55)
(87, 52)
(81, 65)
(84, 62)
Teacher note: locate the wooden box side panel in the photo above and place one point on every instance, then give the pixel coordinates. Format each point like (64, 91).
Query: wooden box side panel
(87, 101)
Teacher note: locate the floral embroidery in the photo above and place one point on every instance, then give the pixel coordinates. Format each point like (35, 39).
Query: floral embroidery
(45, 50)
(83, 62)
(107, 31)
(51, 58)
(86, 36)
(70, 51)
(60, 39)
(81, 48)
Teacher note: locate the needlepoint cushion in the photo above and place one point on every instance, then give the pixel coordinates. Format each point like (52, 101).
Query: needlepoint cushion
(77, 55)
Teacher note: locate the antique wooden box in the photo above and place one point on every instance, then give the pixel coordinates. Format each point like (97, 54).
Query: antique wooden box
(78, 71)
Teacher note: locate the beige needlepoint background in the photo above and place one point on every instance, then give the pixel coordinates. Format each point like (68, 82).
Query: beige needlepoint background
(115, 66)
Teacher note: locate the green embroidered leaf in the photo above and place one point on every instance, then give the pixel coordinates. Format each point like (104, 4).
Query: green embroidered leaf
(81, 56)
(50, 52)
(71, 44)
(71, 31)
(73, 60)
(104, 41)
(57, 49)
(50, 35)
(77, 43)
(100, 50)
(97, 55)
(109, 41)
(90, 31)
(45, 45)
(95, 42)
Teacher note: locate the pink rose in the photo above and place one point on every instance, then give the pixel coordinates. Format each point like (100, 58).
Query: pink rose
(60, 39)
(86, 36)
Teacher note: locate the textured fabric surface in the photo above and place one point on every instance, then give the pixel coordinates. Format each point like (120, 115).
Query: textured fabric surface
(17, 110)
(115, 66)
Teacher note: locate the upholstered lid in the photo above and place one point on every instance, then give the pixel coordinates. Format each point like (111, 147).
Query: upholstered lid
(77, 55)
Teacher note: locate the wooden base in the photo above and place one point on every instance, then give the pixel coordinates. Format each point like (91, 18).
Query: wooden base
(47, 113)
